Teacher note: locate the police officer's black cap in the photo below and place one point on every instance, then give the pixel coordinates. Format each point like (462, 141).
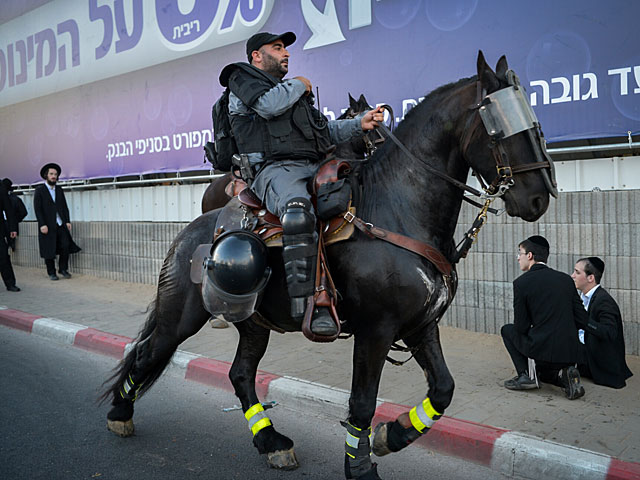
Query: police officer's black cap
(539, 240)
(44, 170)
(264, 38)
(598, 263)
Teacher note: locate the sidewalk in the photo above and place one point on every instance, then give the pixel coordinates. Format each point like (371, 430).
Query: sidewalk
(604, 420)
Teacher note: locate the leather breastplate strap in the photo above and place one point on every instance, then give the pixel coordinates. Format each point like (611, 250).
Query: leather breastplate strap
(415, 246)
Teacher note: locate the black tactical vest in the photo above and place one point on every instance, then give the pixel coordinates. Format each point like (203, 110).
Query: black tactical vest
(299, 133)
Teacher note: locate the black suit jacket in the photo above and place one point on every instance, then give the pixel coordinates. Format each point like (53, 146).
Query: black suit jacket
(45, 210)
(6, 207)
(604, 341)
(546, 307)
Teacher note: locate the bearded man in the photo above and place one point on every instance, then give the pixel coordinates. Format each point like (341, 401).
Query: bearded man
(284, 139)
(54, 224)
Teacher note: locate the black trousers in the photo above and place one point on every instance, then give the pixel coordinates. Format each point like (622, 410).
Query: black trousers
(6, 269)
(547, 371)
(63, 243)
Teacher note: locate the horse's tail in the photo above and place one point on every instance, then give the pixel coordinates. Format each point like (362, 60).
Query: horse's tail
(167, 304)
(115, 381)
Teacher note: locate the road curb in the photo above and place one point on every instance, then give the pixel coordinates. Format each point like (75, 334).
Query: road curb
(505, 451)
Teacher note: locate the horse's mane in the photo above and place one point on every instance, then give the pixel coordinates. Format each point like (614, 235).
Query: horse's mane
(427, 104)
(434, 96)
(425, 115)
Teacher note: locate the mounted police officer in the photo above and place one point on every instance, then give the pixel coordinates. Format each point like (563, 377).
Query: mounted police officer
(281, 139)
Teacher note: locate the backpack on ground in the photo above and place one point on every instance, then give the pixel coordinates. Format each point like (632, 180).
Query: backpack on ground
(219, 152)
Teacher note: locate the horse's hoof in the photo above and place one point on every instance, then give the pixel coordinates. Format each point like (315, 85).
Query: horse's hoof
(123, 429)
(371, 474)
(380, 445)
(283, 459)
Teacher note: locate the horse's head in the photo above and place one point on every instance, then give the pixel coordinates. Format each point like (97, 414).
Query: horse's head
(504, 144)
(364, 145)
(356, 107)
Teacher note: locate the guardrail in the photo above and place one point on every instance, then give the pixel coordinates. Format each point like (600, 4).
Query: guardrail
(102, 183)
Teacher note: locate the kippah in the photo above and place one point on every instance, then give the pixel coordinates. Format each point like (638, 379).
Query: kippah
(597, 262)
(539, 240)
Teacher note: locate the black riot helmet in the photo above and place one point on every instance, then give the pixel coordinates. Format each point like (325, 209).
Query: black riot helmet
(238, 264)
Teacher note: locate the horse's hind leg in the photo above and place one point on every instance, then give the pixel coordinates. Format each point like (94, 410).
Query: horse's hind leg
(146, 361)
(393, 436)
(251, 348)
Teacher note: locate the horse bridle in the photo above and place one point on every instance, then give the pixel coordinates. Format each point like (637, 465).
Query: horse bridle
(372, 138)
(505, 113)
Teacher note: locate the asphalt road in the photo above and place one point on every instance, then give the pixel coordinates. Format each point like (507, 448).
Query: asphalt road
(52, 428)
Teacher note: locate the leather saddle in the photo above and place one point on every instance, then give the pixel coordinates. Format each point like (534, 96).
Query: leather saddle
(245, 210)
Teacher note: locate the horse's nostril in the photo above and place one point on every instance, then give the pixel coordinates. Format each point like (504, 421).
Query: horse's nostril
(538, 203)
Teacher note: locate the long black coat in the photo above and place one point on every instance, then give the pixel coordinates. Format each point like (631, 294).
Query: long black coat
(546, 308)
(6, 207)
(604, 341)
(45, 210)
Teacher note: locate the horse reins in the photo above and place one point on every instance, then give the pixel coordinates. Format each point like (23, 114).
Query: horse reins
(497, 188)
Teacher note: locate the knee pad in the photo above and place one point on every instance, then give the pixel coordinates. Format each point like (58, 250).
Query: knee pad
(298, 217)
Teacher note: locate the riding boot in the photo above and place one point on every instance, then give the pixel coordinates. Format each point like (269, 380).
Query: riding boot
(300, 251)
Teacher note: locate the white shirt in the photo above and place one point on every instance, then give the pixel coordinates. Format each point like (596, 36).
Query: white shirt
(586, 297)
(52, 192)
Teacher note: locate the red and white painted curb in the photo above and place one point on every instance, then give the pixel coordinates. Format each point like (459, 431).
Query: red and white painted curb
(508, 452)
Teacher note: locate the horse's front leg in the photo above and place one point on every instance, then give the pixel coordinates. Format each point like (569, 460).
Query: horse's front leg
(393, 436)
(369, 354)
(251, 348)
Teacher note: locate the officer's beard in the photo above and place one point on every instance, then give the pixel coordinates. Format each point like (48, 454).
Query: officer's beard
(273, 66)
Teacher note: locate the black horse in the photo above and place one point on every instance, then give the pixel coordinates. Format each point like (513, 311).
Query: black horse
(399, 296)
(215, 196)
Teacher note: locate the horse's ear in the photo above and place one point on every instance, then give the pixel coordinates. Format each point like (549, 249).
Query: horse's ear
(502, 67)
(353, 104)
(486, 76)
(362, 102)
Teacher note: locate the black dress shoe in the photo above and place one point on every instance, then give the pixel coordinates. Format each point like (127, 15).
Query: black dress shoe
(520, 382)
(53, 276)
(65, 274)
(570, 379)
(322, 323)
(13, 289)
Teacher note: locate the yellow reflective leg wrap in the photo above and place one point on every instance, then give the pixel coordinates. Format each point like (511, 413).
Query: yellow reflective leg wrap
(358, 450)
(423, 416)
(257, 418)
(354, 446)
(129, 391)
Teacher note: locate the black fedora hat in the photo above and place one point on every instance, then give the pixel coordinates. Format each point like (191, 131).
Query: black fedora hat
(44, 170)
(7, 183)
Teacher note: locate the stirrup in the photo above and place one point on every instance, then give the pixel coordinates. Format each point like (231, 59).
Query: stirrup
(322, 322)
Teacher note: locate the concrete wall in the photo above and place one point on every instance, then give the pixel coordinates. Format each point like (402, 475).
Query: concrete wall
(578, 224)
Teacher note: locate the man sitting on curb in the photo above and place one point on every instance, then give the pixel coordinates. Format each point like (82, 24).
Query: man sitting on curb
(602, 355)
(546, 308)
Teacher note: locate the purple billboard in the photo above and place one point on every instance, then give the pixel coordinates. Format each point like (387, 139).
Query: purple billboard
(123, 87)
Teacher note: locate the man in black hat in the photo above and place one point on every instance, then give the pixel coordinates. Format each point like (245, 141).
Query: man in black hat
(52, 213)
(546, 309)
(601, 351)
(8, 231)
(19, 211)
(283, 138)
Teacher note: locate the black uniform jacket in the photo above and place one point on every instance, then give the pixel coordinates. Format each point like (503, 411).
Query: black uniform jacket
(546, 308)
(604, 341)
(45, 211)
(11, 224)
